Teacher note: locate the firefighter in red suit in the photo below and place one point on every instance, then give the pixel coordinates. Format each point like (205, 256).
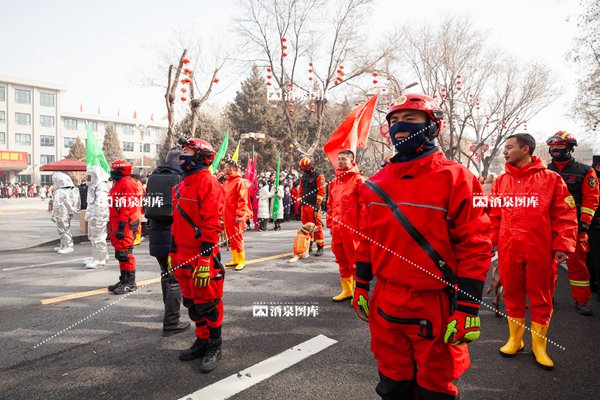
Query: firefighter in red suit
(342, 219)
(311, 194)
(197, 210)
(238, 210)
(583, 185)
(125, 211)
(421, 314)
(534, 225)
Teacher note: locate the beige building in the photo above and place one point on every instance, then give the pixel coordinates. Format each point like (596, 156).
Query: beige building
(32, 122)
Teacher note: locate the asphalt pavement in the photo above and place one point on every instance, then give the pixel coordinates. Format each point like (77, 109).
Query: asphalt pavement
(102, 346)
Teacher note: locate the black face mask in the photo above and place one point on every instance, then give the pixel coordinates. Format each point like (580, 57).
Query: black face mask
(560, 155)
(116, 175)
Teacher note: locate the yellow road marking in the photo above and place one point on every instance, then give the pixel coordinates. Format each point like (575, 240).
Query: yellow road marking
(89, 293)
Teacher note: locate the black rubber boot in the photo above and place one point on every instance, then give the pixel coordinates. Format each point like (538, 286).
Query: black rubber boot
(583, 309)
(112, 288)
(212, 356)
(197, 350)
(128, 286)
(319, 252)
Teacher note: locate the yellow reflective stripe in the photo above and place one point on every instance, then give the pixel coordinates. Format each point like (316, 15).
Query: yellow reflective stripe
(587, 211)
(579, 283)
(319, 197)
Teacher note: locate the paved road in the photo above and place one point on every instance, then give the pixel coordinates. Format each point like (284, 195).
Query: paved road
(115, 349)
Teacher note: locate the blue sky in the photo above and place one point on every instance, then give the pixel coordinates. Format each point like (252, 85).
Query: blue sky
(104, 50)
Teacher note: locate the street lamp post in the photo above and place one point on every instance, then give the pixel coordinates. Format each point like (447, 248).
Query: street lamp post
(253, 136)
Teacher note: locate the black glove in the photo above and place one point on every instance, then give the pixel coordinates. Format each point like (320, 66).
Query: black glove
(584, 227)
(121, 231)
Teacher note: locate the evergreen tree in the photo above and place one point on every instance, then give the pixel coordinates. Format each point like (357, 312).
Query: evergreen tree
(77, 151)
(111, 147)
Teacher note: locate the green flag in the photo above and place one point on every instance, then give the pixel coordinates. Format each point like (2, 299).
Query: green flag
(220, 154)
(276, 199)
(94, 155)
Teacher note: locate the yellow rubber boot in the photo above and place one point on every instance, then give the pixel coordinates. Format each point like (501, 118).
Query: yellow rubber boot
(515, 343)
(538, 345)
(346, 290)
(234, 261)
(241, 261)
(138, 238)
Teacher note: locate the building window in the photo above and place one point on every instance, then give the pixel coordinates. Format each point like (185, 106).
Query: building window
(128, 129)
(70, 123)
(2, 117)
(2, 93)
(23, 139)
(93, 125)
(127, 146)
(69, 141)
(47, 121)
(146, 147)
(24, 178)
(2, 137)
(47, 99)
(46, 180)
(22, 96)
(23, 118)
(46, 158)
(28, 158)
(47, 141)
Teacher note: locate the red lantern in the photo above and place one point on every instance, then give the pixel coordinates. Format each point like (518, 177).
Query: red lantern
(187, 71)
(183, 90)
(289, 85)
(374, 81)
(283, 54)
(269, 76)
(283, 39)
(268, 69)
(216, 80)
(312, 110)
(284, 47)
(389, 78)
(310, 78)
(183, 98)
(374, 73)
(310, 71)
(268, 83)
(341, 67)
(291, 105)
(185, 61)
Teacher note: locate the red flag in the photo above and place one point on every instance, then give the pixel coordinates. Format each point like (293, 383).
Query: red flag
(351, 133)
(80, 107)
(135, 115)
(98, 110)
(118, 112)
(152, 118)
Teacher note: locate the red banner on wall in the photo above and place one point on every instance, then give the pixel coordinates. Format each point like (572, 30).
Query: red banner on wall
(13, 160)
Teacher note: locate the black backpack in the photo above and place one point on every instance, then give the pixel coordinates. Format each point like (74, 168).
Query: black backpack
(159, 195)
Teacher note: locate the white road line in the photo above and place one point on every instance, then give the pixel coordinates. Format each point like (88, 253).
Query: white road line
(225, 388)
(42, 265)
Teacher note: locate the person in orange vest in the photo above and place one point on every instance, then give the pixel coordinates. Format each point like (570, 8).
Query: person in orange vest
(311, 194)
(125, 211)
(583, 185)
(342, 219)
(534, 227)
(238, 210)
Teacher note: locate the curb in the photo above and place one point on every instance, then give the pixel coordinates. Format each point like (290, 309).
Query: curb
(76, 239)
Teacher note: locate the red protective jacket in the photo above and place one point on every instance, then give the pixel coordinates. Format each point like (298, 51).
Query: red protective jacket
(435, 194)
(237, 198)
(202, 198)
(342, 201)
(549, 225)
(125, 199)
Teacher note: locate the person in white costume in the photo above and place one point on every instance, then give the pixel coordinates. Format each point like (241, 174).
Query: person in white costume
(97, 215)
(66, 203)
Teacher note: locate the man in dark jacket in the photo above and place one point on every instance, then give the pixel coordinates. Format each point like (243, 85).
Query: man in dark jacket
(160, 245)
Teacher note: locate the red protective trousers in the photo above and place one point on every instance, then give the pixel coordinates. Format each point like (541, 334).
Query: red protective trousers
(235, 234)
(528, 273)
(124, 247)
(344, 249)
(308, 215)
(579, 276)
(407, 337)
(205, 305)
